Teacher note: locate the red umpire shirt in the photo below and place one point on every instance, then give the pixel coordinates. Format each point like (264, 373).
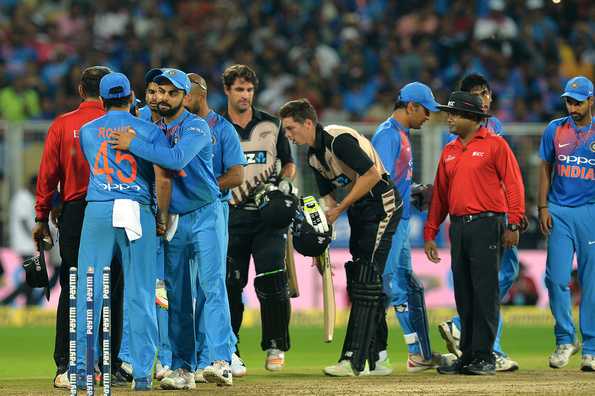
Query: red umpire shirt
(63, 161)
(465, 184)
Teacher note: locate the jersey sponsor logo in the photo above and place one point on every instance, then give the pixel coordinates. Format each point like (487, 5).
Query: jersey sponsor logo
(75, 134)
(563, 145)
(477, 154)
(119, 187)
(573, 159)
(256, 157)
(341, 181)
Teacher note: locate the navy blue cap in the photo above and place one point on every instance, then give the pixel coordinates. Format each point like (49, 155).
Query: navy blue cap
(151, 74)
(578, 88)
(114, 86)
(419, 93)
(178, 78)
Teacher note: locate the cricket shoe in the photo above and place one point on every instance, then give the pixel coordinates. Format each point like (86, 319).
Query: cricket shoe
(238, 368)
(179, 379)
(562, 355)
(161, 371)
(588, 363)
(199, 378)
(504, 363)
(452, 336)
(417, 363)
(61, 381)
(383, 367)
(127, 369)
(342, 369)
(218, 373)
(275, 359)
(142, 384)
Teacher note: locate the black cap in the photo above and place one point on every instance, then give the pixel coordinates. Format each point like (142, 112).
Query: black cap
(464, 102)
(151, 74)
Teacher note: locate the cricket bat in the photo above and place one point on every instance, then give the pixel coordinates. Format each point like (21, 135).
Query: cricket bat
(323, 263)
(294, 289)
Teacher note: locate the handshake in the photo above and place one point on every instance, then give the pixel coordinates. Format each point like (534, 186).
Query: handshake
(421, 195)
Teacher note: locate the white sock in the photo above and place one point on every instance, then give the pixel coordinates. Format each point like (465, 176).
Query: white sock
(382, 355)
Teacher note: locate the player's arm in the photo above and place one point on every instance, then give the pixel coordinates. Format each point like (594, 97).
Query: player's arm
(234, 159)
(347, 149)
(437, 212)
(47, 182)
(288, 168)
(163, 186)
(547, 154)
(388, 148)
(514, 189)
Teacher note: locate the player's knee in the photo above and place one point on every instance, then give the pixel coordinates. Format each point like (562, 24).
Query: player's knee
(364, 281)
(234, 279)
(554, 285)
(272, 286)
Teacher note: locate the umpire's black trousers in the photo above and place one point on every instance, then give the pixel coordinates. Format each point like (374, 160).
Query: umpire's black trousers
(476, 246)
(70, 225)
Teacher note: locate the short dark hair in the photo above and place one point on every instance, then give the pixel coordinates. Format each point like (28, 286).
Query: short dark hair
(473, 80)
(117, 102)
(90, 79)
(243, 72)
(300, 110)
(400, 105)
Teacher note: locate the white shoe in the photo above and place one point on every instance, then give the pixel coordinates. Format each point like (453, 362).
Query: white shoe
(218, 373)
(161, 371)
(179, 379)
(588, 363)
(562, 354)
(416, 362)
(341, 369)
(238, 368)
(275, 359)
(61, 381)
(383, 367)
(452, 336)
(127, 367)
(504, 363)
(199, 377)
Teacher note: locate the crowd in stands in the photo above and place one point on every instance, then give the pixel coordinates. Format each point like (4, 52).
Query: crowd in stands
(348, 57)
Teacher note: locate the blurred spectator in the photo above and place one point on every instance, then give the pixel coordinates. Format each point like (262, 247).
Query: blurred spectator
(523, 291)
(350, 50)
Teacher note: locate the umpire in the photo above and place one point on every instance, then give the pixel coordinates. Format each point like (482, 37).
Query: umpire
(343, 158)
(264, 142)
(478, 183)
(63, 165)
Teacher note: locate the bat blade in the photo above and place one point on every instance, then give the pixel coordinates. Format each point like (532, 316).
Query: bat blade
(292, 280)
(323, 263)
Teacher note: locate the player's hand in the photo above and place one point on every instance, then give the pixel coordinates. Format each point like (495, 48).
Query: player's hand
(162, 223)
(55, 213)
(431, 250)
(120, 140)
(524, 224)
(545, 221)
(332, 215)
(510, 238)
(41, 232)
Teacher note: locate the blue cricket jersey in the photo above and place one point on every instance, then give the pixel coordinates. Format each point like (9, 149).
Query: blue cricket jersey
(190, 153)
(227, 150)
(571, 151)
(118, 174)
(392, 143)
(144, 113)
(493, 124)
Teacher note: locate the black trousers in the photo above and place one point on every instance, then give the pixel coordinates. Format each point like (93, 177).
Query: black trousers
(249, 236)
(70, 225)
(476, 249)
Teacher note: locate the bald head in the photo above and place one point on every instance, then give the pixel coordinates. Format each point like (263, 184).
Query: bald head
(196, 102)
(197, 81)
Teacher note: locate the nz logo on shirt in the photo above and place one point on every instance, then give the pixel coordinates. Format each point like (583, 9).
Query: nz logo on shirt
(256, 157)
(341, 181)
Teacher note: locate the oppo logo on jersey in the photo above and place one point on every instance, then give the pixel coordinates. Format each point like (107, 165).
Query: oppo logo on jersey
(120, 187)
(573, 159)
(256, 157)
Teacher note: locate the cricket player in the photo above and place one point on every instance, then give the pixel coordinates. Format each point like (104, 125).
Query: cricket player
(193, 255)
(342, 158)
(566, 204)
(405, 292)
(120, 220)
(450, 330)
(228, 166)
(264, 144)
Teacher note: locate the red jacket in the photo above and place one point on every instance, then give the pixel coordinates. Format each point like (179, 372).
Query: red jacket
(483, 176)
(63, 161)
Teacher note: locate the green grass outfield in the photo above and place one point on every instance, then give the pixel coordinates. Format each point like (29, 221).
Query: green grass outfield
(26, 366)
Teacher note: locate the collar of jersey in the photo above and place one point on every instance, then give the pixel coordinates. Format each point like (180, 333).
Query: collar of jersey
(398, 125)
(482, 133)
(586, 128)
(178, 120)
(91, 103)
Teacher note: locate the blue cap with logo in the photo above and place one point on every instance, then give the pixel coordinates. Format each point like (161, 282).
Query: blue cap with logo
(114, 86)
(176, 77)
(578, 88)
(419, 93)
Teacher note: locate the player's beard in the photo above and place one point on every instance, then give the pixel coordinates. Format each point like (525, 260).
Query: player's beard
(170, 111)
(578, 117)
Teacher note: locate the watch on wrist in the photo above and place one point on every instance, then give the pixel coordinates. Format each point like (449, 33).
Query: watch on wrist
(513, 227)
